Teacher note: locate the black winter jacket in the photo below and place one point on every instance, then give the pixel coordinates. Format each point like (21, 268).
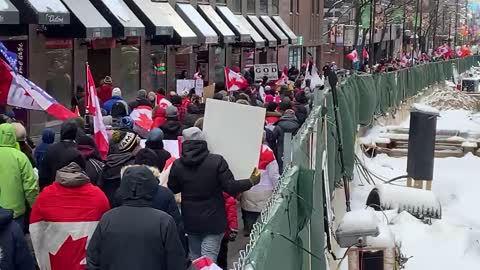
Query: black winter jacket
(162, 154)
(14, 250)
(288, 123)
(109, 180)
(201, 178)
(171, 129)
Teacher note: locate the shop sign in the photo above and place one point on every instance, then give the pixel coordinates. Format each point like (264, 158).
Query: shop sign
(300, 40)
(268, 70)
(54, 19)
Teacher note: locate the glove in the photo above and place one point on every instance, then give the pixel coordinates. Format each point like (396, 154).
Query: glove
(255, 177)
(233, 235)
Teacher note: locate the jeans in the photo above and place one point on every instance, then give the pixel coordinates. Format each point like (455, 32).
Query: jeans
(205, 245)
(222, 260)
(21, 222)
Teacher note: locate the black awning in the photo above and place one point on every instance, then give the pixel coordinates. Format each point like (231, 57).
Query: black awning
(292, 38)
(277, 32)
(257, 39)
(42, 11)
(123, 20)
(262, 30)
(243, 35)
(160, 19)
(212, 17)
(8, 13)
(205, 33)
(86, 21)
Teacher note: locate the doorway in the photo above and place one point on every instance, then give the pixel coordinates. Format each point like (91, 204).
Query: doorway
(99, 62)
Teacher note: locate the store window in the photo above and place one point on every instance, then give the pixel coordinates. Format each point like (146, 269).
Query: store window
(59, 74)
(236, 57)
(294, 57)
(271, 56)
(129, 81)
(275, 4)
(251, 6)
(158, 75)
(219, 64)
(248, 58)
(264, 6)
(237, 6)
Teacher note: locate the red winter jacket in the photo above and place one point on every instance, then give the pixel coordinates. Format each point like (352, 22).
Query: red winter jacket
(105, 93)
(231, 211)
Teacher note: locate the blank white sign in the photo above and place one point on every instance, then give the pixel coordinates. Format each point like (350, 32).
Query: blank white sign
(234, 131)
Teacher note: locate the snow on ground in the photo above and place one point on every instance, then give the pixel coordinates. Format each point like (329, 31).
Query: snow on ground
(454, 241)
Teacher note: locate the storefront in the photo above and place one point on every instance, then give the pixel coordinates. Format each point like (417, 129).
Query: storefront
(217, 57)
(269, 52)
(246, 53)
(282, 42)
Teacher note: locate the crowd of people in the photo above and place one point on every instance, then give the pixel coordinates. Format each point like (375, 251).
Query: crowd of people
(140, 208)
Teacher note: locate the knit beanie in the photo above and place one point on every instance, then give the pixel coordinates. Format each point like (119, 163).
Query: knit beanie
(171, 112)
(127, 141)
(193, 134)
(116, 92)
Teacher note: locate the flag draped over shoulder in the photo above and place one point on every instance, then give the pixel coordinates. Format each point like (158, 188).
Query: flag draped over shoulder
(142, 118)
(18, 91)
(93, 106)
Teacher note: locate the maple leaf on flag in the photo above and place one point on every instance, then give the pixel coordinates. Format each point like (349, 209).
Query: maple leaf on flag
(70, 255)
(144, 122)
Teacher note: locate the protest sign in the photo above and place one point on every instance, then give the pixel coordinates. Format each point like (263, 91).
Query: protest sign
(268, 70)
(237, 138)
(186, 85)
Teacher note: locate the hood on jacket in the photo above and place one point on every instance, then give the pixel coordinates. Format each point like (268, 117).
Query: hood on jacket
(194, 152)
(155, 139)
(289, 122)
(6, 216)
(147, 157)
(72, 175)
(87, 147)
(138, 186)
(48, 136)
(171, 127)
(7, 136)
(69, 130)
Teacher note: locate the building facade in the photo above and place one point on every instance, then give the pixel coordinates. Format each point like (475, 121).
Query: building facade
(149, 44)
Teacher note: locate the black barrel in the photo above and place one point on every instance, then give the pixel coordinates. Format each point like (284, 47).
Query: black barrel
(421, 142)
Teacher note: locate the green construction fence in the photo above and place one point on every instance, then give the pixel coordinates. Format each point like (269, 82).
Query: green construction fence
(290, 233)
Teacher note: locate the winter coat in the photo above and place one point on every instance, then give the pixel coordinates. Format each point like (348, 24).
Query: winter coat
(171, 129)
(109, 103)
(156, 144)
(17, 181)
(104, 93)
(201, 177)
(164, 200)
(255, 199)
(71, 206)
(135, 235)
(231, 212)
(93, 163)
(191, 116)
(15, 254)
(48, 137)
(288, 123)
(110, 177)
(301, 112)
(158, 117)
(139, 102)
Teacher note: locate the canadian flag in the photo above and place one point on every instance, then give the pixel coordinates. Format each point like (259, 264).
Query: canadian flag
(205, 263)
(234, 81)
(282, 80)
(93, 106)
(142, 117)
(17, 91)
(353, 56)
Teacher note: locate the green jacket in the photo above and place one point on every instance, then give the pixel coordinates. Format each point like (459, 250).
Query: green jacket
(17, 181)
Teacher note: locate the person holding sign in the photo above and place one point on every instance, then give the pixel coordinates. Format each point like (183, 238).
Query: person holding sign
(201, 178)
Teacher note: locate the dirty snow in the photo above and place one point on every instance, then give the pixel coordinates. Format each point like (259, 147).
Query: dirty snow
(454, 241)
(445, 98)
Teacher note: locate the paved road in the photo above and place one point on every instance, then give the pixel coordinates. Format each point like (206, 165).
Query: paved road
(235, 247)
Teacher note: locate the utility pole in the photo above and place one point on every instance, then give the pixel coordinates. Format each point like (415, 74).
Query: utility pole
(437, 4)
(404, 47)
(456, 24)
(372, 35)
(415, 33)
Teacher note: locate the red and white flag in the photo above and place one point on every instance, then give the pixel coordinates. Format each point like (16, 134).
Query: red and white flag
(205, 263)
(142, 117)
(93, 106)
(17, 91)
(365, 54)
(353, 56)
(283, 80)
(234, 81)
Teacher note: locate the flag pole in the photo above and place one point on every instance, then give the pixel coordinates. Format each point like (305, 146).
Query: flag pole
(87, 102)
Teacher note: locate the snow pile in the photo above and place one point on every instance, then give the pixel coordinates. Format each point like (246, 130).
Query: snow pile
(359, 221)
(417, 107)
(448, 99)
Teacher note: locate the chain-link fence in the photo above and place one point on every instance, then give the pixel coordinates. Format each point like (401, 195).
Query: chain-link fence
(291, 231)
